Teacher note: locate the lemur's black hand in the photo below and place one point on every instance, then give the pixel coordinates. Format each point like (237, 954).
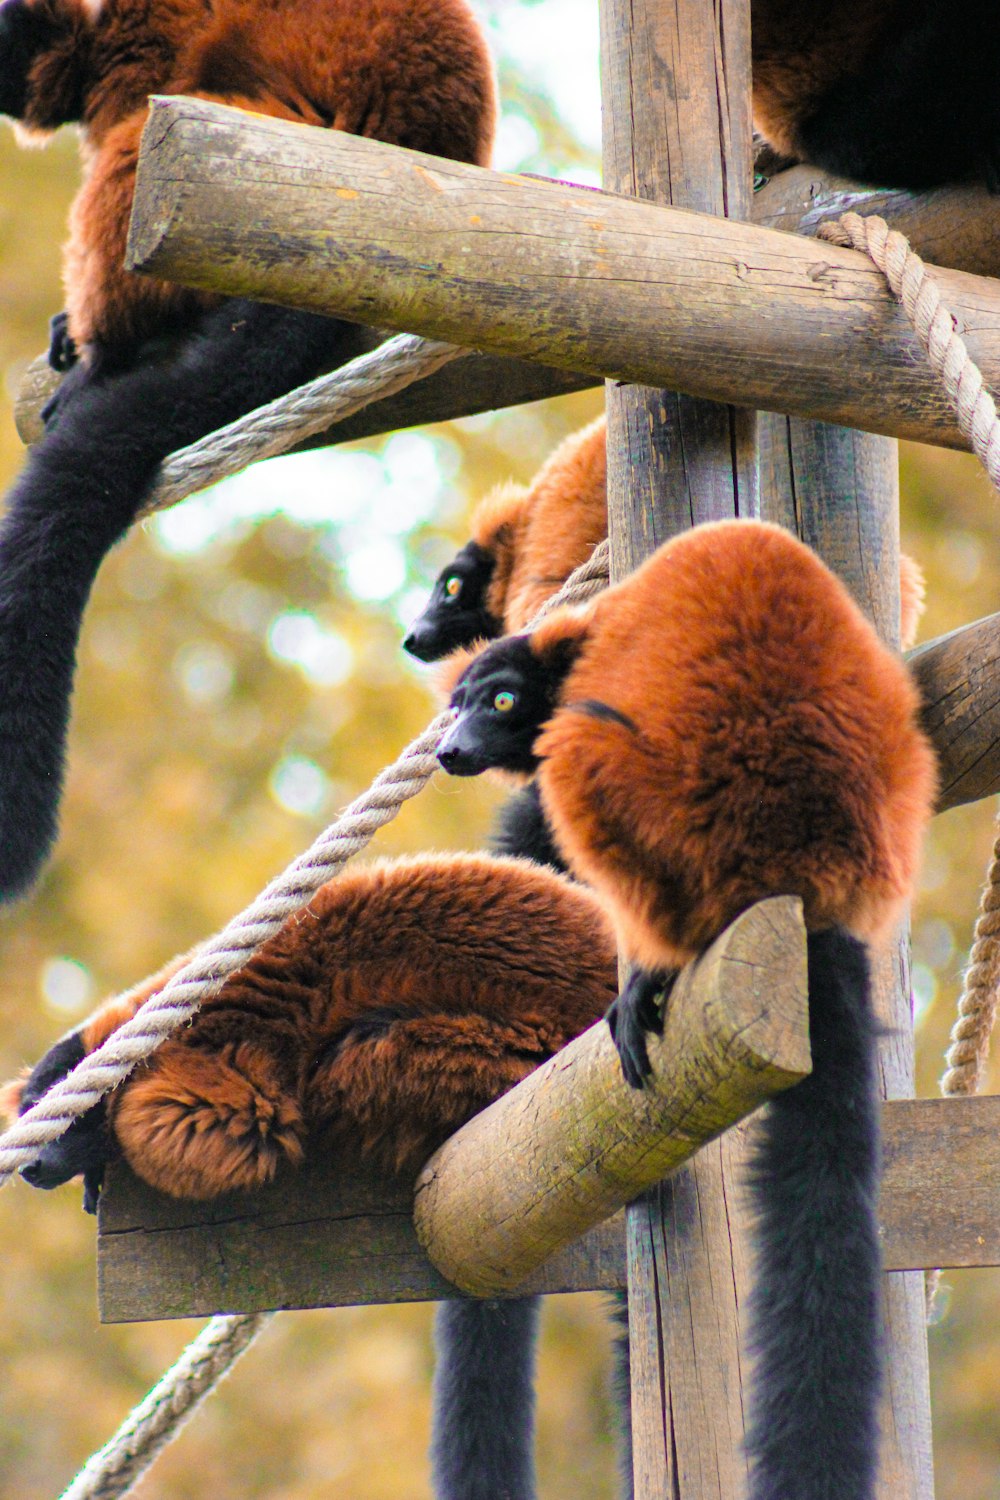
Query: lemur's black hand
(636, 1011)
(62, 350)
(82, 1150)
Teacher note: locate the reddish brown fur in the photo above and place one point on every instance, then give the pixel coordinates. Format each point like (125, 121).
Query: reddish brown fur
(410, 72)
(775, 749)
(800, 52)
(912, 595)
(467, 973)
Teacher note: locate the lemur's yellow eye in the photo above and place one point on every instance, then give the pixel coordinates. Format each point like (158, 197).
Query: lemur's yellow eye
(503, 702)
(453, 587)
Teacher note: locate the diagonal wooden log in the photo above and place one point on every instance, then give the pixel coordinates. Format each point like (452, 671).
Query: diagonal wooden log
(569, 277)
(574, 1143)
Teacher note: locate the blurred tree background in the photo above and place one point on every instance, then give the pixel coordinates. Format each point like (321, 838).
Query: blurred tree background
(240, 679)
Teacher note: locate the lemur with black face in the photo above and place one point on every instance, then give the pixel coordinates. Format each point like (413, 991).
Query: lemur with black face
(527, 540)
(724, 726)
(152, 366)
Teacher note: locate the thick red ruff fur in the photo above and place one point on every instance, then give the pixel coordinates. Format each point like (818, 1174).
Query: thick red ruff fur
(406, 998)
(541, 532)
(775, 747)
(410, 72)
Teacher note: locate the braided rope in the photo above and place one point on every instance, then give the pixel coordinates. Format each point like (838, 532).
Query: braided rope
(935, 327)
(158, 1418)
(299, 414)
(114, 1468)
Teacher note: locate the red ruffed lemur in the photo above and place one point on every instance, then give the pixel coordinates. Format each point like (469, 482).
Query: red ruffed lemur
(901, 93)
(157, 366)
(724, 726)
(404, 999)
(526, 541)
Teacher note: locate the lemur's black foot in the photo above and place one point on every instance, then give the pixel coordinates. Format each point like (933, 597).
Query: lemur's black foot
(63, 353)
(83, 1149)
(636, 1011)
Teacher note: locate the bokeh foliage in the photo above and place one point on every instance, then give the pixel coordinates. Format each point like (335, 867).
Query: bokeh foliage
(192, 738)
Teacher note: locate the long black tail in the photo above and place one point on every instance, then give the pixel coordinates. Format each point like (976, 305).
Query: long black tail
(484, 1397)
(815, 1318)
(483, 1438)
(79, 492)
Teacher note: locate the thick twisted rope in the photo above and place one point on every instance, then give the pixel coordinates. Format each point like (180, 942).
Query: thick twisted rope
(977, 1004)
(159, 1416)
(299, 414)
(935, 327)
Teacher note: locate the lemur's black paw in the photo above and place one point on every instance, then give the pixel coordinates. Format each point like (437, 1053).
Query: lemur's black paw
(82, 1150)
(63, 353)
(636, 1011)
(76, 379)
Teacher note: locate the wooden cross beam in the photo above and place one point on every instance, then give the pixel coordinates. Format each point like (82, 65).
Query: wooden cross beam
(569, 277)
(503, 1204)
(957, 226)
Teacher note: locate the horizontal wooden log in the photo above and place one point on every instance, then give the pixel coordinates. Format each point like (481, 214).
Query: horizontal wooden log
(574, 1143)
(327, 1235)
(959, 680)
(569, 277)
(953, 226)
(331, 1235)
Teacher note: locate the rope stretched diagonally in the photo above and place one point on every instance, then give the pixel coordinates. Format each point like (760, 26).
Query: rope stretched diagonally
(913, 283)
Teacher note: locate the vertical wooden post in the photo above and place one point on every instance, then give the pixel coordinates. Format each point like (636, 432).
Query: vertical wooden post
(839, 490)
(676, 92)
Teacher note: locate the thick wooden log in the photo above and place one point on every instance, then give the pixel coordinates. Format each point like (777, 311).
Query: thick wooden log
(959, 680)
(488, 1213)
(576, 279)
(333, 1234)
(953, 226)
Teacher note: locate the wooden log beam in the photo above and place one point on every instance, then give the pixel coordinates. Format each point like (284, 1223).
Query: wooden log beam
(736, 1032)
(569, 277)
(335, 1234)
(953, 226)
(959, 680)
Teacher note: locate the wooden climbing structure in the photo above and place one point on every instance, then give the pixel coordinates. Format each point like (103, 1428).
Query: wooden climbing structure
(560, 286)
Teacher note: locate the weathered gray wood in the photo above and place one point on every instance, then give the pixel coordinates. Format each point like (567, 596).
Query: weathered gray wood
(839, 490)
(959, 680)
(569, 277)
(953, 226)
(480, 382)
(549, 1160)
(957, 226)
(328, 1235)
(676, 112)
(333, 1234)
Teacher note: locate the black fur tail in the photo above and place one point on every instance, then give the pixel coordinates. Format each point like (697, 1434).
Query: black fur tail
(482, 1444)
(815, 1319)
(79, 492)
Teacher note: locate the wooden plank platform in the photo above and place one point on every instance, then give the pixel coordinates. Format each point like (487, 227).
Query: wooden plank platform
(326, 1236)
